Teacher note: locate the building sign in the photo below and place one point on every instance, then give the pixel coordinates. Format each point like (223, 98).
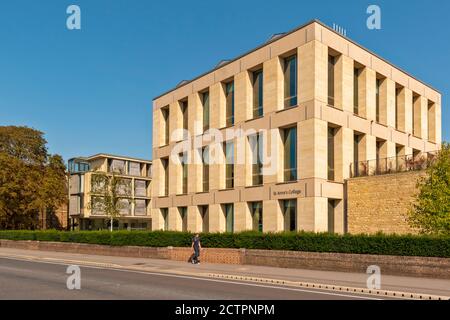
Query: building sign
(292, 192)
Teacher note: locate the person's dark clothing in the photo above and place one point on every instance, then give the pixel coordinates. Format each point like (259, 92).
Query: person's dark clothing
(196, 245)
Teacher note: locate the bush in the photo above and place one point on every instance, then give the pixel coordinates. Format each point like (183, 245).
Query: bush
(401, 245)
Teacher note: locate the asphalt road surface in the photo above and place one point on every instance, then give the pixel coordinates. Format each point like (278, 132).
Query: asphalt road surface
(20, 279)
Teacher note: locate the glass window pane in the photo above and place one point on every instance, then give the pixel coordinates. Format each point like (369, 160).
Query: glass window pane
(290, 81)
(290, 215)
(140, 207)
(229, 95)
(140, 188)
(229, 165)
(229, 217)
(331, 64)
(257, 216)
(257, 93)
(134, 168)
(205, 102)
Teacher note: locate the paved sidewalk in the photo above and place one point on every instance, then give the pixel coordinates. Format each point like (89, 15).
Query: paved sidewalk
(394, 283)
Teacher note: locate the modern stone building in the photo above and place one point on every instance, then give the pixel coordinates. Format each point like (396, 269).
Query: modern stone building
(136, 210)
(318, 105)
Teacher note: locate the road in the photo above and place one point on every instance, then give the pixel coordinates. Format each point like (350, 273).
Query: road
(21, 279)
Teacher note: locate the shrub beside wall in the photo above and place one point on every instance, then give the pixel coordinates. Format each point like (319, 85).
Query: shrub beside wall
(404, 245)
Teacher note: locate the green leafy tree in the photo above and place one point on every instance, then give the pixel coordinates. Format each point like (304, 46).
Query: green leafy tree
(110, 195)
(32, 182)
(431, 210)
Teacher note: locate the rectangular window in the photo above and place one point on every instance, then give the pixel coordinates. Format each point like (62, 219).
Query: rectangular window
(134, 169)
(356, 140)
(257, 94)
(165, 166)
(331, 64)
(256, 210)
(229, 217)
(205, 104)
(415, 115)
(229, 165)
(289, 208)
(256, 146)
(397, 107)
(117, 166)
(183, 216)
(165, 217)
(380, 162)
(165, 114)
(205, 161)
(185, 114)
(204, 212)
(377, 106)
(290, 154)
(149, 170)
(356, 73)
(229, 98)
(331, 135)
(124, 207)
(140, 207)
(331, 209)
(431, 119)
(290, 81)
(184, 172)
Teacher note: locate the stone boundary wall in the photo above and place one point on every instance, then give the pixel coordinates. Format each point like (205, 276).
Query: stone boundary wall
(381, 203)
(358, 263)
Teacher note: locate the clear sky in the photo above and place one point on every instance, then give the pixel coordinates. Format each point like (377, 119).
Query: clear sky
(91, 90)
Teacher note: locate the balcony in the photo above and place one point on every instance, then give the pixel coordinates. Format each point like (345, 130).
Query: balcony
(392, 165)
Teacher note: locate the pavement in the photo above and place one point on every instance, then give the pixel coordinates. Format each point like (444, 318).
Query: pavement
(29, 274)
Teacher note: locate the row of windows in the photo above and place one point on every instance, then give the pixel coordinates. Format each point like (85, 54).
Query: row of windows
(288, 209)
(129, 168)
(290, 98)
(289, 136)
(141, 187)
(228, 212)
(290, 69)
(137, 207)
(381, 111)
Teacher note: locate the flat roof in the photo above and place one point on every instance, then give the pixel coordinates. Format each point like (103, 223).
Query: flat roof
(280, 37)
(106, 155)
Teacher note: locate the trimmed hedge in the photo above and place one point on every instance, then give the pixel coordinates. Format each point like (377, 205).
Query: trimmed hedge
(379, 244)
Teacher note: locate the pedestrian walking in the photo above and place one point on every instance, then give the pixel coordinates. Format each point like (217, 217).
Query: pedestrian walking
(196, 246)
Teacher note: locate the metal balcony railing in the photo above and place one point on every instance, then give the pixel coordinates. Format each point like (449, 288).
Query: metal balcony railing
(392, 165)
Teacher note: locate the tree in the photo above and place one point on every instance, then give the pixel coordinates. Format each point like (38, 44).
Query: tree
(23, 143)
(431, 209)
(110, 195)
(32, 182)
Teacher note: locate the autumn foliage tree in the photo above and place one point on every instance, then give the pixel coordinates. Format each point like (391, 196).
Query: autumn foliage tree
(431, 210)
(32, 182)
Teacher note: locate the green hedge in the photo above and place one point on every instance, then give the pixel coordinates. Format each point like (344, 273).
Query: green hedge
(407, 245)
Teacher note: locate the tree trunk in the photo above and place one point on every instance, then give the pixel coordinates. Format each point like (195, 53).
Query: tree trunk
(44, 218)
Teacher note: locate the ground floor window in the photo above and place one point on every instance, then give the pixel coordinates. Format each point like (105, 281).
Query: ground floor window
(229, 217)
(165, 217)
(256, 209)
(331, 212)
(183, 215)
(204, 213)
(289, 208)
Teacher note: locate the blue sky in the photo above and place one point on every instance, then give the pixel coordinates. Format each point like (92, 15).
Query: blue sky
(91, 90)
